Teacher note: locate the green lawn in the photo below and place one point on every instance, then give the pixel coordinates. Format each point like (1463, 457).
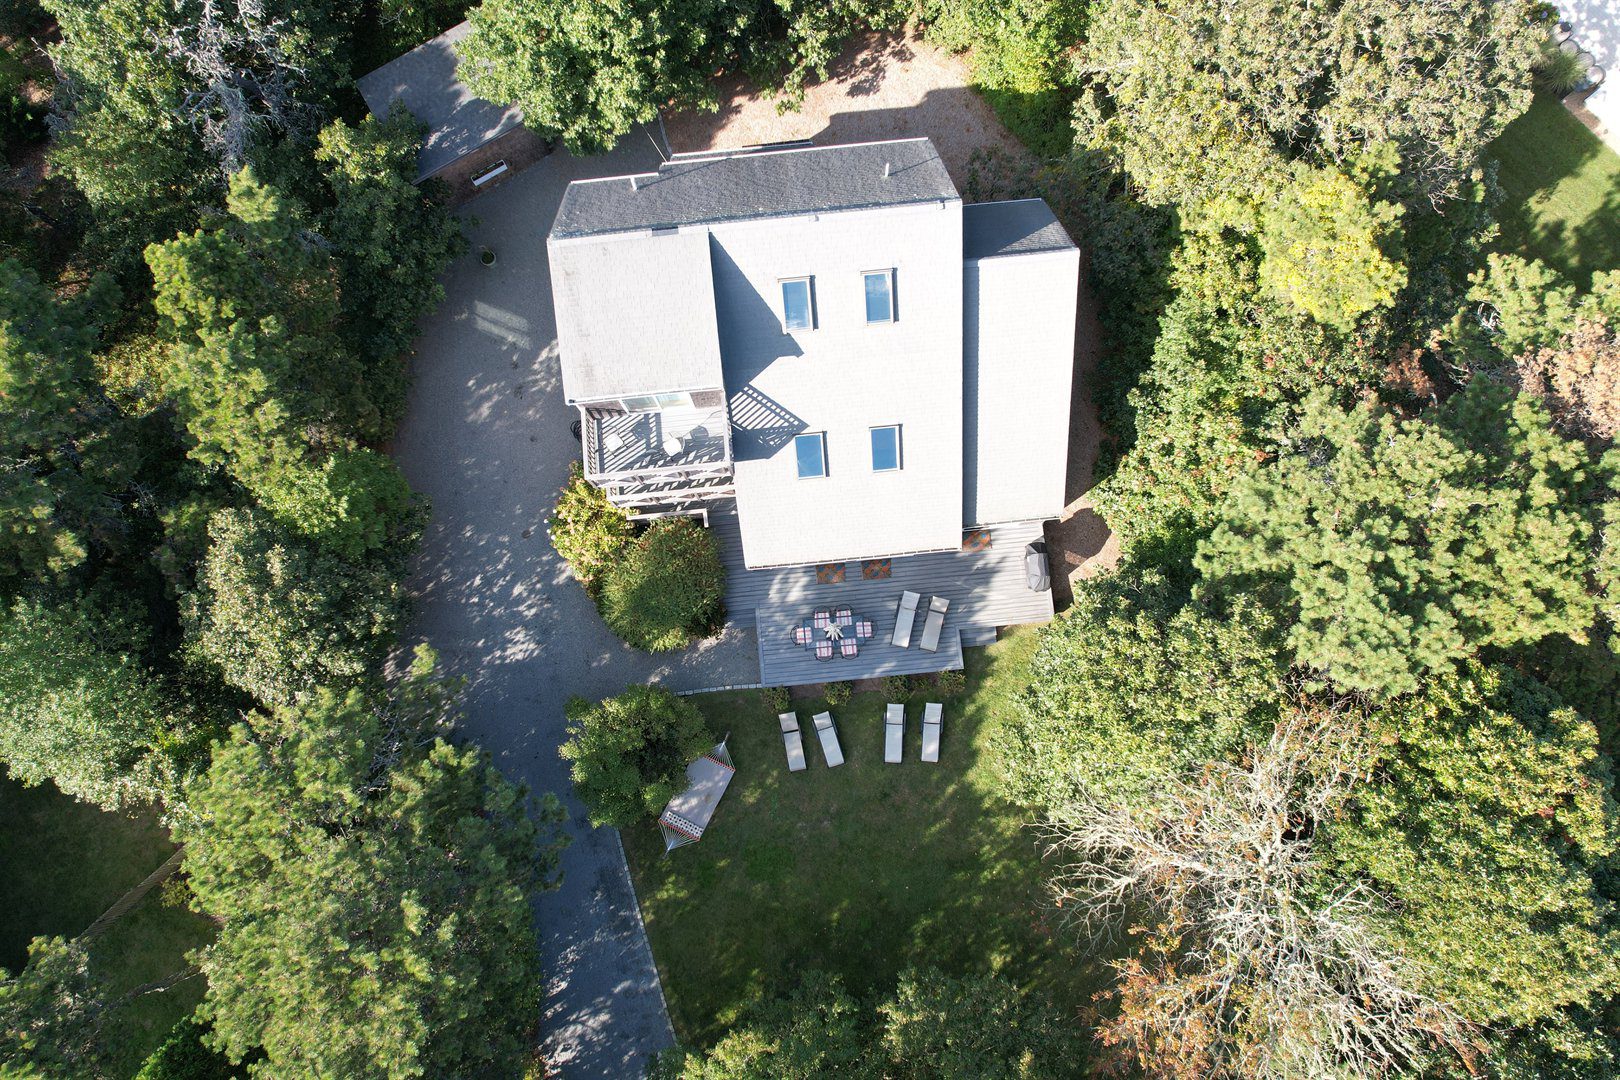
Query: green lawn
(67, 862)
(1562, 189)
(858, 870)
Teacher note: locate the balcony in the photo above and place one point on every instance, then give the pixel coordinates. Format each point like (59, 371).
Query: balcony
(661, 460)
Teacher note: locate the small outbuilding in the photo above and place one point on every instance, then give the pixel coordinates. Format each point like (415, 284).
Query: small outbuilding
(471, 144)
(689, 813)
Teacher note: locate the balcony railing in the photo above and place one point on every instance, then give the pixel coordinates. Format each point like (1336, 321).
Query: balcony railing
(658, 460)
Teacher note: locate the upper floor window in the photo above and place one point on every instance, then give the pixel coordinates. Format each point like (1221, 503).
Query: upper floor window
(879, 296)
(811, 452)
(798, 305)
(885, 448)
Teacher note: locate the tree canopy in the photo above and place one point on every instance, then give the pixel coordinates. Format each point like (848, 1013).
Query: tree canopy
(1397, 547)
(345, 820)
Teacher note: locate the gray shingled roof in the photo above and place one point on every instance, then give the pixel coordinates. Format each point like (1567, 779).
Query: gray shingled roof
(425, 80)
(767, 183)
(635, 315)
(1015, 227)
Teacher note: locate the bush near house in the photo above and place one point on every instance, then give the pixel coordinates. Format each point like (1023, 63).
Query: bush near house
(630, 752)
(589, 532)
(667, 588)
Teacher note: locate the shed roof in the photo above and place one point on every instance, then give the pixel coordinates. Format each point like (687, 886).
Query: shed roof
(760, 183)
(1013, 227)
(635, 315)
(425, 80)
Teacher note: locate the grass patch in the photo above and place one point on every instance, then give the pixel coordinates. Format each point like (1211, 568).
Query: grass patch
(1562, 188)
(67, 862)
(859, 870)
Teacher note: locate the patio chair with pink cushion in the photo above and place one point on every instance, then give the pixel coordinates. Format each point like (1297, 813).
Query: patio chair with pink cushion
(863, 628)
(823, 617)
(802, 634)
(848, 647)
(843, 616)
(824, 650)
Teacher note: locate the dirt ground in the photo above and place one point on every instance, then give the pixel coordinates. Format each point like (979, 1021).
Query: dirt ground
(889, 86)
(883, 86)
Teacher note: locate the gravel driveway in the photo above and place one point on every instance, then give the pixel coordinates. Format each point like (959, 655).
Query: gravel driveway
(487, 438)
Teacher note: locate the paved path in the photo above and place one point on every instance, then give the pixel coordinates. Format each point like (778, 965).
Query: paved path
(487, 438)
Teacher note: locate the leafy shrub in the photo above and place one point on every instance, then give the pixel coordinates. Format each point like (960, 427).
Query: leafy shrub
(951, 683)
(183, 1056)
(589, 532)
(895, 686)
(630, 752)
(668, 587)
(776, 698)
(837, 693)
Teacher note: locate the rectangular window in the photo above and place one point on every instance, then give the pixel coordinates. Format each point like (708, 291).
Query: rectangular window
(798, 305)
(811, 451)
(885, 449)
(879, 296)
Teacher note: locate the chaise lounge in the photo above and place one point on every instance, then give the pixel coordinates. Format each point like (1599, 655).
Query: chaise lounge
(933, 722)
(894, 733)
(904, 618)
(934, 624)
(829, 739)
(792, 741)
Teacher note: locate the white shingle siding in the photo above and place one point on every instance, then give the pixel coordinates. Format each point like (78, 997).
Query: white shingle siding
(844, 378)
(1018, 368)
(635, 315)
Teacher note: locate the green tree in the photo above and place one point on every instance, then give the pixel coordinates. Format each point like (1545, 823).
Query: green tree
(392, 239)
(50, 1013)
(1395, 547)
(629, 753)
(1489, 821)
(279, 616)
(590, 533)
(77, 708)
(668, 587)
(184, 1056)
(1136, 684)
(162, 101)
(262, 377)
(981, 1026)
(1203, 103)
(816, 1030)
(1325, 247)
(374, 885)
(59, 465)
(589, 71)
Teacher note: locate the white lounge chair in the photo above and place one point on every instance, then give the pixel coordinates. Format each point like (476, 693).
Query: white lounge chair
(829, 739)
(792, 741)
(894, 733)
(904, 617)
(934, 624)
(933, 721)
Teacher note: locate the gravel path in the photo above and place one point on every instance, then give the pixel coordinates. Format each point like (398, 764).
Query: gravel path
(487, 438)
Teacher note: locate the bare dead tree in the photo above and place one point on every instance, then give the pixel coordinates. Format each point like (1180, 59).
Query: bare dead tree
(1254, 964)
(246, 75)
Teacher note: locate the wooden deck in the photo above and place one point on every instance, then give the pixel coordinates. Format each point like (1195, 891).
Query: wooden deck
(986, 590)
